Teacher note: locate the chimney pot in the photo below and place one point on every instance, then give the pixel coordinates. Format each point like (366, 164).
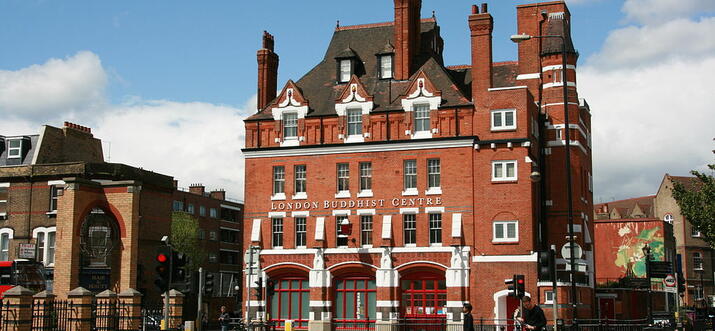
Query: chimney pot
(475, 9)
(484, 8)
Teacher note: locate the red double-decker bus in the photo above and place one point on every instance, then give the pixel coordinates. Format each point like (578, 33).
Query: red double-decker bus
(28, 274)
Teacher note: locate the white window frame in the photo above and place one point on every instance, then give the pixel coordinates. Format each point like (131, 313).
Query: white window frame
(301, 228)
(54, 197)
(503, 165)
(339, 218)
(274, 227)
(386, 66)
(694, 232)
(11, 149)
(366, 232)
(345, 70)
(351, 115)
(342, 174)
(698, 255)
(45, 249)
(505, 226)
(424, 119)
(434, 169)
(5, 252)
(502, 116)
(300, 178)
(548, 297)
(431, 228)
(365, 172)
(404, 229)
(409, 190)
(290, 124)
(277, 189)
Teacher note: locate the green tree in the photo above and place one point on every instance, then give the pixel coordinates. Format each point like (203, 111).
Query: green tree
(184, 238)
(697, 203)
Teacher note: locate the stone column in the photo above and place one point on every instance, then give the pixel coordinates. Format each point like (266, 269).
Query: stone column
(43, 302)
(387, 280)
(107, 314)
(320, 281)
(130, 310)
(176, 309)
(81, 302)
(128, 206)
(457, 278)
(67, 250)
(18, 314)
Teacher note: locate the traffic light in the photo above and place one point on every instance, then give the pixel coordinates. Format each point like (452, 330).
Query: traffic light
(163, 262)
(270, 288)
(258, 290)
(510, 286)
(180, 276)
(209, 284)
(520, 286)
(547, 266)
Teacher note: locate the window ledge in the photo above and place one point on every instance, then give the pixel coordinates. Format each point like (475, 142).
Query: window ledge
(300, 196)
(277, 247)
(433, 191)
(505, 242)
(366, 246)
(510, 180)
(365, 194)
(278, 196)
(506, 128)
(410, 192)
(410, 245)
(435, 245)
(300, 247)
(288, 142)
(342, 195)
(355, 138)
(422, 135)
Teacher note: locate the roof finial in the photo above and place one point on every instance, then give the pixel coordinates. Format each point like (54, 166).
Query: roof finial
(337, 25)
(434, 15)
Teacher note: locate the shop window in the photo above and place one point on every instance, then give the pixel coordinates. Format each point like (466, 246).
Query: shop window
(355, 299)
(424, 295)
(301, 234)
(291, 301)
(277, 230)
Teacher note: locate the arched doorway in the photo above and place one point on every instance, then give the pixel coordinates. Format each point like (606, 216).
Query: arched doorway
(290, 300)
(355, 302)
(99, 238)
(424, 296)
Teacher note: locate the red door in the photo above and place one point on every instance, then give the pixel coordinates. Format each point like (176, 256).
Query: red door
(512, 304)
(606, 309)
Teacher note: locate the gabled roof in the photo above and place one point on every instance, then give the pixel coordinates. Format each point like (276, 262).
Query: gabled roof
(628, 208)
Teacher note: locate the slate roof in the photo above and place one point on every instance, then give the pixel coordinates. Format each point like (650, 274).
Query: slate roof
(319, 86)
(28, 152)
(626, 207)
(690, 183)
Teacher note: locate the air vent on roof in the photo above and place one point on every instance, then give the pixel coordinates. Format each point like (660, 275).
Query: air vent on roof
(556, 16)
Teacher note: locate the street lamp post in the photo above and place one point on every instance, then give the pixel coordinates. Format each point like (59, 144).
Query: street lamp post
(646, 255)
(569, 194)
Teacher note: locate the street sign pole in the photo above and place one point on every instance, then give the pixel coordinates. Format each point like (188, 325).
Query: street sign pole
(200, 309)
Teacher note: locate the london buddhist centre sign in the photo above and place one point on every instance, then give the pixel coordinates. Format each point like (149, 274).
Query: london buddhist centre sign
(361, 203)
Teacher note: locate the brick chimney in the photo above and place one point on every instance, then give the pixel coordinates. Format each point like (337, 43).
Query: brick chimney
(218, 195)
(407, 36)
(69, 125)
(481, 25)
(267, 71)
(197, 189)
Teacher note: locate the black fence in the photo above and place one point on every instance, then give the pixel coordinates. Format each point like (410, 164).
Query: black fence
(52, 316)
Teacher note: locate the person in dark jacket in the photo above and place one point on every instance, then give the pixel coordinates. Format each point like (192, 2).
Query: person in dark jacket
(468, 320)
(532, 317)
(224, 319)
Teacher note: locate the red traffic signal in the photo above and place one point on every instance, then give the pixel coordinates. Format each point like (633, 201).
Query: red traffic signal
(162, 258)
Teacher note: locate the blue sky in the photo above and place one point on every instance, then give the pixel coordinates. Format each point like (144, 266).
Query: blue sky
(205, 51)
(177, 77)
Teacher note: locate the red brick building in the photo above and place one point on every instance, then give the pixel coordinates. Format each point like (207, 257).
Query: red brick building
(385, 184)
(96, 224)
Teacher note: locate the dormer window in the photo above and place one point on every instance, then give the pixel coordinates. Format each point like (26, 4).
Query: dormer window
(421, 117)
(346, 70)
(14, 148)
(290, 125)
(355, 122)
(385, 66)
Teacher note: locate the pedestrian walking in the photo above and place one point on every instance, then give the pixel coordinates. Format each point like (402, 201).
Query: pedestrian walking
(224, 319)
(532, 317)
(468, 319)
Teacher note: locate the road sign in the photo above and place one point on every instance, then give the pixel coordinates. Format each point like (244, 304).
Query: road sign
(660, 269)
(566, 251)
(669, 281)
(26, 251)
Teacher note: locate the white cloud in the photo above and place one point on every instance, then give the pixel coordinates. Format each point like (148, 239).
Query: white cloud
(658, 11)
(195, 142)
(649, 121)
(643, 46)
(59, 86)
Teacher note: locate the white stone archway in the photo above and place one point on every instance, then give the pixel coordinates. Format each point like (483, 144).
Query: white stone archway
(500, 312)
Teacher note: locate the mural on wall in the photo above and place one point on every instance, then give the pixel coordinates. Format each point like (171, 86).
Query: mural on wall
(633, 237)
